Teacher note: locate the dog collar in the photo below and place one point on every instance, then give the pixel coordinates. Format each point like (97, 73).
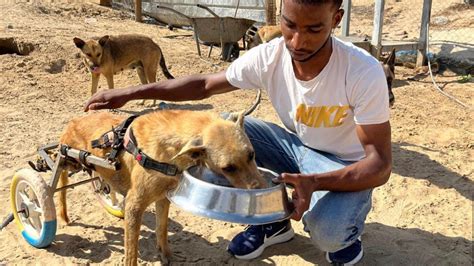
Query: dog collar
(144, 160)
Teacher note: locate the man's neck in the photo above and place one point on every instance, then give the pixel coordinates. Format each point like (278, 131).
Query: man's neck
(311, 68)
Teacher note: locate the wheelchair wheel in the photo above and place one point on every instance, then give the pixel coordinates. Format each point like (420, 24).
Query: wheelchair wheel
(111, 201)
(33, 208)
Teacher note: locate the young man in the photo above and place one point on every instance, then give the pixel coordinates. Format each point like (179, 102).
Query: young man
(335, 147)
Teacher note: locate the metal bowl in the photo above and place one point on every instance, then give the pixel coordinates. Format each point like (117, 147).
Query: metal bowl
(204, 193)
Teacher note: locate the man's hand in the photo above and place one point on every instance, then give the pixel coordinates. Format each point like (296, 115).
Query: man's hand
(107, 99)
(304, 187)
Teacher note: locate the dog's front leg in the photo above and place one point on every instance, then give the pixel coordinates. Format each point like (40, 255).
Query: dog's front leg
(161, 229)
(110, 81)
(95, 83)
(134, 209)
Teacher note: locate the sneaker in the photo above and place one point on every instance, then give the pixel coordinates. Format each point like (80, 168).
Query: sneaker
(251, 243)
(347, 256)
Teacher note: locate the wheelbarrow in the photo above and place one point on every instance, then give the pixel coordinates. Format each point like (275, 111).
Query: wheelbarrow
(215, 30)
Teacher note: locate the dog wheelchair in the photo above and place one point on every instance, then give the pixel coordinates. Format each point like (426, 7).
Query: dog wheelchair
(32, 197)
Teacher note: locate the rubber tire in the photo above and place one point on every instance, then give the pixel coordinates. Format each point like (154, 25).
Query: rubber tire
(44, 195)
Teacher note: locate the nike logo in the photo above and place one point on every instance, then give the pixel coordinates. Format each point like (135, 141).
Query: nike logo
(279, 231)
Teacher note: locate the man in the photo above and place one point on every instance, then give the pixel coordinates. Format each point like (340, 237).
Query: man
(335, 147)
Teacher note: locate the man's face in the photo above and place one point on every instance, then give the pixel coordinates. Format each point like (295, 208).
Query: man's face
(306, 28)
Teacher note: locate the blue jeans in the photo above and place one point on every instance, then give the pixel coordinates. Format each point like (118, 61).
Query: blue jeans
(334, 219)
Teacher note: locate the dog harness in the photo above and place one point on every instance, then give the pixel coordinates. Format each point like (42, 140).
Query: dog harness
(122, 137)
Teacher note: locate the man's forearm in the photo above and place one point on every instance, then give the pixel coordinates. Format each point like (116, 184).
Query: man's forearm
(365, 174)
(193, 87)
(182, 89)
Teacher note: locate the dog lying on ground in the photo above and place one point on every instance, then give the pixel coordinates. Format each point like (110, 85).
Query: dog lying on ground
(267, 33)
(179, 137)
(111, 54)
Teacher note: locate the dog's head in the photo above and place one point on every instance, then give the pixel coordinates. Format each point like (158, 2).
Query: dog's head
(388, 65)
(224, 148)
(92, 51)
(264, 34)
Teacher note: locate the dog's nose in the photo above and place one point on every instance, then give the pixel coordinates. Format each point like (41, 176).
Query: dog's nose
(254, 184)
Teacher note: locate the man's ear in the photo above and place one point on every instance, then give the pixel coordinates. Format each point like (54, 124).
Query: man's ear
(78, 42)
(193, 148)
(338, 17)
(103, 40)
(238, 118)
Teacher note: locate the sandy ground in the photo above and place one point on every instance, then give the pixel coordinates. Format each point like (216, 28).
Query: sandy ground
(422, 216)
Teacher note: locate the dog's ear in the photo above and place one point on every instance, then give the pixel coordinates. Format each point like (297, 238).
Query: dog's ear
(390, 60)
(193, 148)
(103, 40)
(238, 118)
(78, 42)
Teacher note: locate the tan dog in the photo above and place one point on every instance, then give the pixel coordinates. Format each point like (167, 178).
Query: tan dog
(265, 34)
(109, 55)
(179, 137)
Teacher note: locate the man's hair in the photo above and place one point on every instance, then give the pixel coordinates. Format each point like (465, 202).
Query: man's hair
(336, 3)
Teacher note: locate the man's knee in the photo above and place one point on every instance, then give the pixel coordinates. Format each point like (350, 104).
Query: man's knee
(331, 236)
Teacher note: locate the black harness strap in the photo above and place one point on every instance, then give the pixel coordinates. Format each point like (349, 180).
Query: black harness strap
(145, 160)
(122, 137)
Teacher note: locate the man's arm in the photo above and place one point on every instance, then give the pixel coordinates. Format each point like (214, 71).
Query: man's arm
(194, 87)
(372, 171)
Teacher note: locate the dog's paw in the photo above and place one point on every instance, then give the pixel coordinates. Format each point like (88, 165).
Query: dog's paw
(165, 254)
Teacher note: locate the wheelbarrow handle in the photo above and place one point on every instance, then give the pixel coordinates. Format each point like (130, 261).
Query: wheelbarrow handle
(174, 11)
(7, 220)
(208, 9)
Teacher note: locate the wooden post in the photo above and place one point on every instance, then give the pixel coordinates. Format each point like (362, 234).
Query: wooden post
(105, 2)
(347, 18)
(138, 10)
(376, 41)
(270, 10)
(425, 19)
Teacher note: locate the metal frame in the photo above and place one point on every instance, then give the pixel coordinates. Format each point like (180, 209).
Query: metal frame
(66, 153)
(377, 45)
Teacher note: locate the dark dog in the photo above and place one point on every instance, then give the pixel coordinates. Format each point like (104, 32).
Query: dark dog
(388, 65)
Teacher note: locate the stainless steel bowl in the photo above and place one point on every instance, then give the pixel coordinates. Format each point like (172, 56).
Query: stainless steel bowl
(204, 193)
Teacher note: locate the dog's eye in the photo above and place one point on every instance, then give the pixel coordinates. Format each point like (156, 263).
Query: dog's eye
(89, 55)
(251, 156)
(98, 55)
(229, 169)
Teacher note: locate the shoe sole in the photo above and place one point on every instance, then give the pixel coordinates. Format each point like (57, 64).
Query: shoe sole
(287, 236)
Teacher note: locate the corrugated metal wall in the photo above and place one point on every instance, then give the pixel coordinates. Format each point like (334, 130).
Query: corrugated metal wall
(250, 9)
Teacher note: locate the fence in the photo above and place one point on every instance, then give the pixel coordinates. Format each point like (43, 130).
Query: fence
(450, 32)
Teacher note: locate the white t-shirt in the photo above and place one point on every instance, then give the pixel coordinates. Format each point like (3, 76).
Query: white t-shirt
(324, 111)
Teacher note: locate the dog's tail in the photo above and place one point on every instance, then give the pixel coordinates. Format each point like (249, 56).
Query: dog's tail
(255, 103)
(164, 68)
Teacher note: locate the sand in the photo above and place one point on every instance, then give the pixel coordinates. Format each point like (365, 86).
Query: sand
(422, 216)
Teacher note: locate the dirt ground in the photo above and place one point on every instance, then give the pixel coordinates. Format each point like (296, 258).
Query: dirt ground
(422, 216)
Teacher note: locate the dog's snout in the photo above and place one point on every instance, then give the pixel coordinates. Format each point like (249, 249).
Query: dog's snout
(255, 185)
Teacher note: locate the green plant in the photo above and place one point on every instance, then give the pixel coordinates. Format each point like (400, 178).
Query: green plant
(465, 78)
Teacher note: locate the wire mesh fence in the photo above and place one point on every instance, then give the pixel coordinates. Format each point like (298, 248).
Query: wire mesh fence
(451, 28)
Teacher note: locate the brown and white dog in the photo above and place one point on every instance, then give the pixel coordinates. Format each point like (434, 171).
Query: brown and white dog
(178, 137)
(112, 54)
